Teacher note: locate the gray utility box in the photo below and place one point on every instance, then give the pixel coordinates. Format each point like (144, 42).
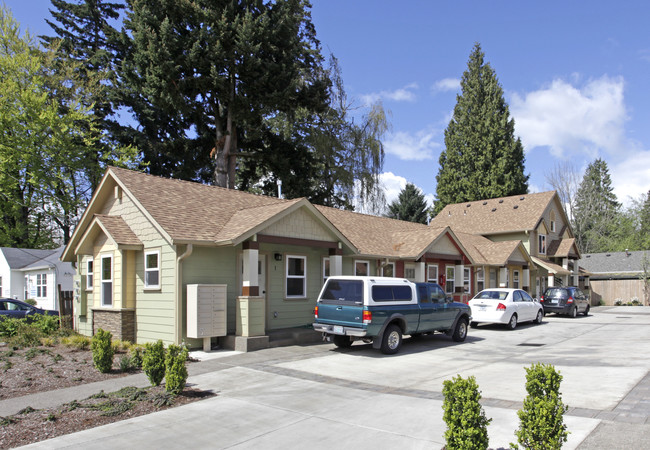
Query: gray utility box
(206, 310)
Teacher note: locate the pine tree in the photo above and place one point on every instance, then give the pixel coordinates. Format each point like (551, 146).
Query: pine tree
(482, 158)
(644, 222)
(202, 76)
(410, 205)
(597, 209)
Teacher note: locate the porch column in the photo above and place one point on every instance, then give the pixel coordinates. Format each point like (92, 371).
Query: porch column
(565, 263)
(250, 284)
(576, 272)
(526, 280)
(336, 261)
(503, 277)
(420, 272)
(551, 280)
(459, 279)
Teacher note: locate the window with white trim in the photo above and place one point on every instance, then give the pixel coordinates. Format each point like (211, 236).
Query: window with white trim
(41, 285)
(361, 268)
(432, 273)
(388, 270)
(409, 272)
(451, 275)
(89, 274)
(542, 244)
(152, 269)
(480, 279)
(296, 277)
(106, 278)
(326, 269)
(515, 279)
(466, 279)
(553, 221)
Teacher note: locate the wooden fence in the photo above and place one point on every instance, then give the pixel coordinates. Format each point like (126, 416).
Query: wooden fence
(65, 307)
(611, 290)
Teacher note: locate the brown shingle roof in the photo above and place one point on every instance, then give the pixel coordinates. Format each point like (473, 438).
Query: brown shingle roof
(561, 248)
(381, 236)
(485, 251)
(118, 229)
(498, 215)
(189, 211)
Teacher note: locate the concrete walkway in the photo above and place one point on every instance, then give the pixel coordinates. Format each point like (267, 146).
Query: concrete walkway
(318, 396)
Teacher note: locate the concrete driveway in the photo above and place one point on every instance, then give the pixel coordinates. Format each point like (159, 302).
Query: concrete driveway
(320, 397)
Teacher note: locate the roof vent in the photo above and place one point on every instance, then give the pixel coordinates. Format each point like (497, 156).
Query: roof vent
(469, 204)
(449, 213)
(608, 254)
(501, 201)
(515, 207)
(494, 209)
(465, 212)
(485, 203)
(521, 198)
(587, 256)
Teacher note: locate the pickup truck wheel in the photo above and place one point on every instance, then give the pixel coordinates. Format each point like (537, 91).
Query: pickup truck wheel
(460, 332)
(512, 323)
(391, 340)
(342, 341)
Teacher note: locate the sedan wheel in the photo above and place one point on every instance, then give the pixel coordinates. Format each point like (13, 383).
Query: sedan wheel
(587, 311)
(538, 319)
(512, 324)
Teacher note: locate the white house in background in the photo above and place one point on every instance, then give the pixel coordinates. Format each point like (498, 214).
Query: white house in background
(32, 273)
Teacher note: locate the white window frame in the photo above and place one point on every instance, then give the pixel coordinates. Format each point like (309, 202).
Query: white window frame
(103, 281)
(450, 279)
(467, 279)
(326, 268)
(409, 267)
(553, 221)
(391, 264)
(41, 285)
(429, 278)
(26, 287)
(515, 279)
(363, 262)
(480, 279)
(541, 244)
(295, 277)
(89, 274)
(148, 270)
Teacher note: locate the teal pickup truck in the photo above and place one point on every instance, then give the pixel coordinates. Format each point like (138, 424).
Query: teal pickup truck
(381, 310)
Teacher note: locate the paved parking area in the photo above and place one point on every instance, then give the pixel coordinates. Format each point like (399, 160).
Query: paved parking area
(321, 397)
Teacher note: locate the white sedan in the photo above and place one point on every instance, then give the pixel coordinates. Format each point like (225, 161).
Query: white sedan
(504, 305)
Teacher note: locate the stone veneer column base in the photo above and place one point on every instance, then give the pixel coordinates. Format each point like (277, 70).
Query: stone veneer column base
(120, 322)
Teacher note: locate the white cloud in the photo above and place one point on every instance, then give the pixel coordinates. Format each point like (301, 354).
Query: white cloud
(573, 121)
(446, 84)
(631, 176)
(394, 184)
(411, 147)
(404, 94)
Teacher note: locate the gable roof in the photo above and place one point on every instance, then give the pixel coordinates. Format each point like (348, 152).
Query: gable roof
(384, 237)
(19, 258)
(487, 252)
(614, 264)
(497, 215)
(188, 212)
(562, 248)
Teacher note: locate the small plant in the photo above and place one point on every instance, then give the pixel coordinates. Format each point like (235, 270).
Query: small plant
(102, 350)
(76, 341)
(48, 341)
(126, 363)
(635, 301)
(31, 301)
(46, 324)
(135, 352)
(153, 362)
(175, 370)
(120, 345)
(541, 420)
(464, 415)
(618, 302)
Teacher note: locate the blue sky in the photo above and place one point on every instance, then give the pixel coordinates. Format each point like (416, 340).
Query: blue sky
(575, 74)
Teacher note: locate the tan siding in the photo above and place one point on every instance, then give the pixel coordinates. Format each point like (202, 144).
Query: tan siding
(445, 246)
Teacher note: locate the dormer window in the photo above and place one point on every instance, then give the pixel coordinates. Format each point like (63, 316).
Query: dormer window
(542, 244)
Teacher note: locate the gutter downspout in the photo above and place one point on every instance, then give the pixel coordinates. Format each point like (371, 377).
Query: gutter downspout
(179, 293)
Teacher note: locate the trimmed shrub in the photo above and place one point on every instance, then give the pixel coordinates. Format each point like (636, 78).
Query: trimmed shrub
(31, 301)
(541, 420)
(153, 362)
(102, 350)
(175, 370)
(47, 324)
(464, 415)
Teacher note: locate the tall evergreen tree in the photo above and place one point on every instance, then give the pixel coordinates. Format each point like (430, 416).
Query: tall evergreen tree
(482, 156)
(410, 205)
(596, 211)
(644, 222)
(86, 40)
(202, 76)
